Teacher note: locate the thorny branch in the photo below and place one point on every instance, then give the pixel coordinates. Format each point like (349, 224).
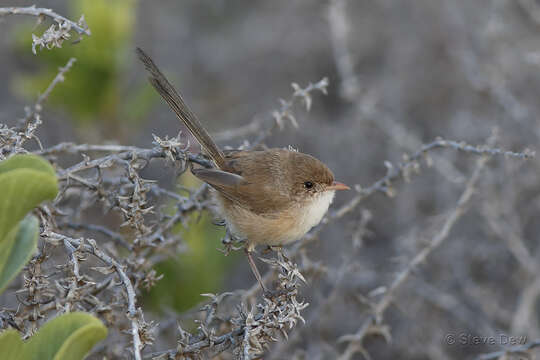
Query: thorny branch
(17, 137)
(486, 75)
(92, 248)
(57, 79)
(40, 12)
(401, 171)
(411, 163)
(251, 331)
(522, 351)
(90, 182)
(55, 35)
(280, 116)
(110, 176)
(374, 323)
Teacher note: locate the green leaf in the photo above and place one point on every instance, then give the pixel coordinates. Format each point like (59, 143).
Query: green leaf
(68, 337)
(25, 181)
(11, 345)
(17, 248)
(26, 161)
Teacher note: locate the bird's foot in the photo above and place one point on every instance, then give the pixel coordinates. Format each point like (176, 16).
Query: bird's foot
(267, 250)
(273, 294)
(271, 248)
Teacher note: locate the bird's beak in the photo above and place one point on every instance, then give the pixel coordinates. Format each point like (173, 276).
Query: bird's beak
(336, 185)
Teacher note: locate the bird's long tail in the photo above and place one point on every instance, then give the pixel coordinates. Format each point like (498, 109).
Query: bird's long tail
(182, 111)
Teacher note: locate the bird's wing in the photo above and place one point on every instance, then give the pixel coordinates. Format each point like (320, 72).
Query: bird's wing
(225, 183)
(218, 177)
(240, 182)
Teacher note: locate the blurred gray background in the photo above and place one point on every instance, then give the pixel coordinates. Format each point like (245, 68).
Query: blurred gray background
(401, 73)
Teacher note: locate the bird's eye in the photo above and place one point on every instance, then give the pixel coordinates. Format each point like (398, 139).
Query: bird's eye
(308, 184)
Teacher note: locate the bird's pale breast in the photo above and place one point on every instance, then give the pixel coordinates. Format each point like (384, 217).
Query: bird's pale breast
(277, 228)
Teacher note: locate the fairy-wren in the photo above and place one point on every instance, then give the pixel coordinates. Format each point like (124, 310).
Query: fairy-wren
(267, 197)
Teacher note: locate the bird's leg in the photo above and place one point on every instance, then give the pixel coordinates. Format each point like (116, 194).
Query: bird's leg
(255, 270)
(219, 222)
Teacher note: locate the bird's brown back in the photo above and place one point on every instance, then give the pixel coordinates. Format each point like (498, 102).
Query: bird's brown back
(264, 182)
(272, 178)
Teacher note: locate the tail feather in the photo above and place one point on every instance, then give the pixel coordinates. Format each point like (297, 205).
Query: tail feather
(182, 111)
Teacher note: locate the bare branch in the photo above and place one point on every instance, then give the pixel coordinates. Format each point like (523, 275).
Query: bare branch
(45, 95)
(80, 26)
(402, 170)
(133, 313)
(355, 341)
(519, 350)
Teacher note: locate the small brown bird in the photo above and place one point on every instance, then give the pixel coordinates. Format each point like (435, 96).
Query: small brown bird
(269, 197)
